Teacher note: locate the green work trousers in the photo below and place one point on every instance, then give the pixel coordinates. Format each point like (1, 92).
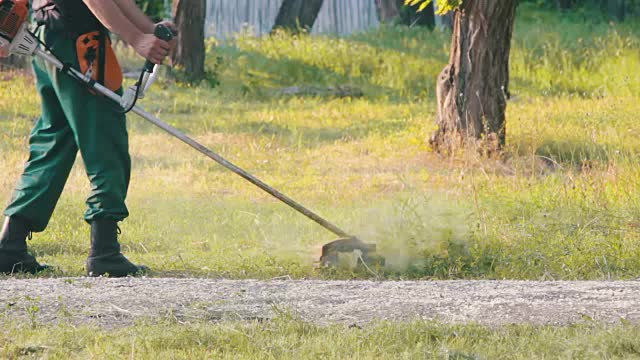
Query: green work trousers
(72, 119)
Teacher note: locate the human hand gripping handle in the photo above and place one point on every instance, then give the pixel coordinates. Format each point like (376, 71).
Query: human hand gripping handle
(151, 46)
(165, 34)
(154, 50)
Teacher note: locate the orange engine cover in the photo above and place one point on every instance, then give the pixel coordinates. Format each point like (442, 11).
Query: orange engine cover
(13, 13)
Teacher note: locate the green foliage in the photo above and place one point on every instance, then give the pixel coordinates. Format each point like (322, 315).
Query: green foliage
(444, 6)
(211, 77)
(153, 8)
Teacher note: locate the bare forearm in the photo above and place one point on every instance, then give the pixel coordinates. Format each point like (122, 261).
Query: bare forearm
(136, 16)
(134, 30)
(114, 19)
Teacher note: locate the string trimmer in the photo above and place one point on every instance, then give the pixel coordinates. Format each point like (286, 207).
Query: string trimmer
(19, 40)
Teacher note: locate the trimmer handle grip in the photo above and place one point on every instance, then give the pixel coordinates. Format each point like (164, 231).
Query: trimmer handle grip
(163, 33)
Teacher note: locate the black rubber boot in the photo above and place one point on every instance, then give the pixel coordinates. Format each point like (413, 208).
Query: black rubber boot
(105, 258)
(14, 257)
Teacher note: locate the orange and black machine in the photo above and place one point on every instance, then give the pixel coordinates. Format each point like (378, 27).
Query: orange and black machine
(13, 15)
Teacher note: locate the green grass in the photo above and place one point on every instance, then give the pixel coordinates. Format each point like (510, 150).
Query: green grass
(563, 202)
(287, 338)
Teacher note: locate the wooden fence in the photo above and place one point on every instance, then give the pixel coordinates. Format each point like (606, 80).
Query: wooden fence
(225, 17)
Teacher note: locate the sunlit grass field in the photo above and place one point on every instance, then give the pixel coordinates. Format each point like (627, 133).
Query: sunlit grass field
(562, 202)
(286, 338)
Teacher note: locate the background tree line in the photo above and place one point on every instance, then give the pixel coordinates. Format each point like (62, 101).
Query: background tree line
(297, 15)
(471, 99)
(473, 89)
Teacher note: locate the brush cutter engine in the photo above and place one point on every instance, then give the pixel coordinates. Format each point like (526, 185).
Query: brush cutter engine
(13, 13)
(15, 38)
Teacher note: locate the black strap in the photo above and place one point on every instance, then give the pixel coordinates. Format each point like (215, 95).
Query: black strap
(66, 68)
(102, 55)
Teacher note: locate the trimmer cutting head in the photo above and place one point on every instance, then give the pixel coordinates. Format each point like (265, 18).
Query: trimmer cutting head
(367, 252)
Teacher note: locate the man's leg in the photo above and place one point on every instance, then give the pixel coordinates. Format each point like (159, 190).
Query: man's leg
(52, 152)
(100, 133)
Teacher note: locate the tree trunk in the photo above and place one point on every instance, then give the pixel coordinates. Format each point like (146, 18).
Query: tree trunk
(190, 51)
(387, 10)
(296, 15)
(472, 90)
(616, 10)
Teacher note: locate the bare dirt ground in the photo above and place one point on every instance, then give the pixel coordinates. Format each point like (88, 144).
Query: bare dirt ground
(121, 302)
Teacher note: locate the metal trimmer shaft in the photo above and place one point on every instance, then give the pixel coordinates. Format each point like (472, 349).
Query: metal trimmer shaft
(199, 147)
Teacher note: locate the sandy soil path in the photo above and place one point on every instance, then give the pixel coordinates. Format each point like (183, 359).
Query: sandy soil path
(120, 302)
